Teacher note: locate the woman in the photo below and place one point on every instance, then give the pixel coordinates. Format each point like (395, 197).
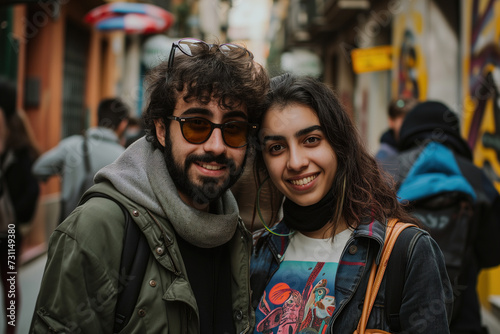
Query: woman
(309, 272)
(19, 190)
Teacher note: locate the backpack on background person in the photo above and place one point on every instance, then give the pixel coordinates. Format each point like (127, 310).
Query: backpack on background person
(87, 181)
(454, 200)
(442, 199)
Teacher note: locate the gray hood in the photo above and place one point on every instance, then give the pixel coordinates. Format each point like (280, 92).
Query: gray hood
(140, 174)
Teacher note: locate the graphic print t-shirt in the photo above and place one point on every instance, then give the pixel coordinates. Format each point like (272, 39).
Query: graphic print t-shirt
(300, 296)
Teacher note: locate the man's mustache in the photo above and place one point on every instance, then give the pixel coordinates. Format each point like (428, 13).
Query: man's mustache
(219, 159)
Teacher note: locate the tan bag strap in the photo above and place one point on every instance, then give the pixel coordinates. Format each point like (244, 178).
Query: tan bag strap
(394, 228)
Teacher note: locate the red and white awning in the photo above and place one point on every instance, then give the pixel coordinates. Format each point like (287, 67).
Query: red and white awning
(133, 18)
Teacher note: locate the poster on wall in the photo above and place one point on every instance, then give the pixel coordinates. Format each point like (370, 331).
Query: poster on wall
(481, 83)
(409, 68)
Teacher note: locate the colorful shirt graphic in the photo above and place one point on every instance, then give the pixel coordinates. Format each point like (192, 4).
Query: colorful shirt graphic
(300, 296)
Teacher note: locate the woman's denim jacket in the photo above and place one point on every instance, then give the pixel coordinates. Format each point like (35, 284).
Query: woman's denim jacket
(427, 293)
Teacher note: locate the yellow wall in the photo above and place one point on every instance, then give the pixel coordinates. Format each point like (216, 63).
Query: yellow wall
(481, 56)
(488, 284)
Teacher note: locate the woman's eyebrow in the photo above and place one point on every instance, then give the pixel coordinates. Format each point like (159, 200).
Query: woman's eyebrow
(297, 134)
(307, 130)
(275, 138)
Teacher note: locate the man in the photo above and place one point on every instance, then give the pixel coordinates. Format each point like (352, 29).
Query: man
(174, 182)
(453, 198)
(396, 113)
(67, 159)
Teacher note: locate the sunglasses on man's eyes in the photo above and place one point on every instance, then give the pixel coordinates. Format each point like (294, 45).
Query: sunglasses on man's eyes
(197, 130)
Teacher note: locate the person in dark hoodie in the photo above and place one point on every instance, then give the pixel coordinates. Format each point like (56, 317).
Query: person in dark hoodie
(434, 171)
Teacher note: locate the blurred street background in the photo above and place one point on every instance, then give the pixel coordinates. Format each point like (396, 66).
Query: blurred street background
(64, 59)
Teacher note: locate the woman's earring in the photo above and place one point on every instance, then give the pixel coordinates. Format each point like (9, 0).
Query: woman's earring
(262, 218)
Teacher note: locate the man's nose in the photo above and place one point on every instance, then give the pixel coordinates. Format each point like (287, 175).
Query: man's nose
(215, 143)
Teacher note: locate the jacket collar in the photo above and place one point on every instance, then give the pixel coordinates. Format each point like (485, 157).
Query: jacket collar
(368, 228)
(372, 229)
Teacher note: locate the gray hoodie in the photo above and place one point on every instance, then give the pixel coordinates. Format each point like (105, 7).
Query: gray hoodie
(140, 174)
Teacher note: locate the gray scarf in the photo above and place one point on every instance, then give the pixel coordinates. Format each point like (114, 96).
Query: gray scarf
(140, 173)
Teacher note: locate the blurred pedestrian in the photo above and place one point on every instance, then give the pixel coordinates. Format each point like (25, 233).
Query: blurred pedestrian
(67, 159)
(396, 113)
(453, 198)
(19, 192)
(174, 184)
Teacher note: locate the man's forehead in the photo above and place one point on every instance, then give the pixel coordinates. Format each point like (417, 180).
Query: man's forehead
(211, 111)
(223, 100)
(210, 105)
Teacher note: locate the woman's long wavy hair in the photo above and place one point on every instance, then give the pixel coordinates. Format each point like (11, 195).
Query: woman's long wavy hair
(361, 190)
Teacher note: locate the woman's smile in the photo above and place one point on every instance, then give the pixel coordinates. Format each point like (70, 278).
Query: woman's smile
(303, 182)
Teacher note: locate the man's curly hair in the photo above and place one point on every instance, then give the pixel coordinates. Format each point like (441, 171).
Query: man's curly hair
(233, 80)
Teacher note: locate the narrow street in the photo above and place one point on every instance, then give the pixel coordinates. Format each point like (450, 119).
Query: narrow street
(63, 61)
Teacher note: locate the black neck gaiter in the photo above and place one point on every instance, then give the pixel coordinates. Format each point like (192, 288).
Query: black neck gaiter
(308, 218)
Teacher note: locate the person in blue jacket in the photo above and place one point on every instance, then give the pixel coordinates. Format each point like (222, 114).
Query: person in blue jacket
(434, 162)
(67, 158)
(309, 272)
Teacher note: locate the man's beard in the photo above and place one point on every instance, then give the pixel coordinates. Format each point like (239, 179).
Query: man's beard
(209, 190)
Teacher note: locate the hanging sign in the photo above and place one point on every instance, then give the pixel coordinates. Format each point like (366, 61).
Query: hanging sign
(378, 58)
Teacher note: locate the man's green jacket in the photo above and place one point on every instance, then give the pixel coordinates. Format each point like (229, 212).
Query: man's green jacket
(79, 290)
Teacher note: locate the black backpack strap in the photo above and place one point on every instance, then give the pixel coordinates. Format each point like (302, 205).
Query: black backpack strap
(395, 276)
(133, 262)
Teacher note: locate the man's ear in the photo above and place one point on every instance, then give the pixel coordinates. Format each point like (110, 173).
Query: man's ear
(160, 131)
